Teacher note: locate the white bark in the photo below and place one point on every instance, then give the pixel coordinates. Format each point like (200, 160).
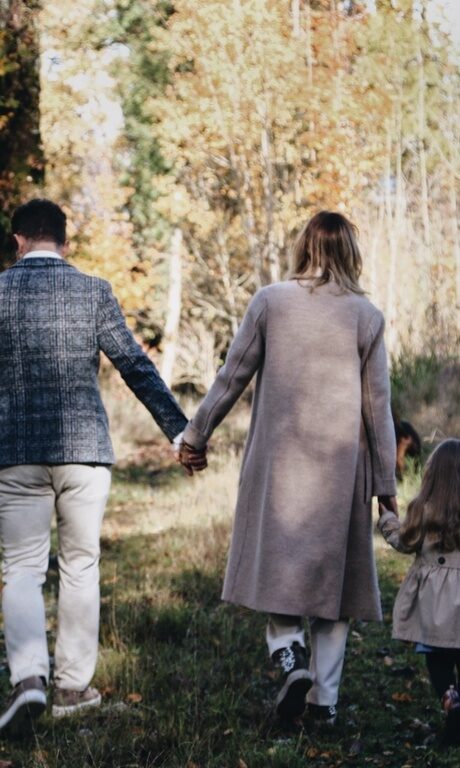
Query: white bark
(174, 308)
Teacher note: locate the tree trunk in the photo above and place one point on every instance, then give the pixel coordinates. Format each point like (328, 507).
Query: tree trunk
(391, 284)
(272, 255)
(295, 13)
(421, 117)
(174, 308)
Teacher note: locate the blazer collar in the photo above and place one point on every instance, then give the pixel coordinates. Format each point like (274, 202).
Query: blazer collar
(40, 261)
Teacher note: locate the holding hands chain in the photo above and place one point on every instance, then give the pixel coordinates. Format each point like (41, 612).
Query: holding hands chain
(192, 459)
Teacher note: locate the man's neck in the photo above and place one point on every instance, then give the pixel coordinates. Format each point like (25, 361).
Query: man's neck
(40, 245)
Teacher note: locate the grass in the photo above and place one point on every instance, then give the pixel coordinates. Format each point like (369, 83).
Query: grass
(186, 679)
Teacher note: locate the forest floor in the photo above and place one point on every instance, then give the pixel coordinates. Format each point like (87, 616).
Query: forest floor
(186, 679)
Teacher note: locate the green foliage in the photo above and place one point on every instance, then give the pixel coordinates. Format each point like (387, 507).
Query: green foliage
(414, 378)
(21, 159)
(141, 73)
(425, 391)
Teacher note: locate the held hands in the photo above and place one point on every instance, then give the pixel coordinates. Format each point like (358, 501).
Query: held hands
(192, 459)
(388, 504)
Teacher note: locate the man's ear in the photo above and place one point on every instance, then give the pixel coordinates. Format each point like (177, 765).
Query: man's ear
(20, 243)
(65, 248)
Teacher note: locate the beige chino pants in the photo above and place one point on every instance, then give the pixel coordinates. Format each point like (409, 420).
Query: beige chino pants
(29, 494)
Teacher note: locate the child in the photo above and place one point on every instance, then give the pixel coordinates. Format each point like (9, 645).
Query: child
(427, 607)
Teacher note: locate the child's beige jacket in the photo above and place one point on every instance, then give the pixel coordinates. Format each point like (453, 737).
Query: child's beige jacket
(427, 607)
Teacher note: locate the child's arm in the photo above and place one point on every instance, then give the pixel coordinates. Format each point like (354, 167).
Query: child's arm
(389, 525)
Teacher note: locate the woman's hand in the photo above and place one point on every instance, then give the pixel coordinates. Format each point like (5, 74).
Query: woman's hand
(388, 504)
(192, 459)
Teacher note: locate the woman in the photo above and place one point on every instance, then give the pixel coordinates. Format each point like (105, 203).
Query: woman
(320, 445)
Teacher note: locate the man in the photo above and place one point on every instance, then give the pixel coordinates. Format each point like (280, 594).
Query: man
(55, 454)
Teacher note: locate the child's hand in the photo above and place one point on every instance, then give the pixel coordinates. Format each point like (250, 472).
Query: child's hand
(388, 504)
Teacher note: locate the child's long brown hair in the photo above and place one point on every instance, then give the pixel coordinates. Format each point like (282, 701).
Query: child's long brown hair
(435, 511)
(326, 249)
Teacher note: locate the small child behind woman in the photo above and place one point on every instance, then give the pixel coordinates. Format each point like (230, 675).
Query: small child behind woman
(427, 607)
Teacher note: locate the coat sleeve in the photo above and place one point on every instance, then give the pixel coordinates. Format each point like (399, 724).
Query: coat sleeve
(389, 526)
(244, 357)
(376, 409)
(140, 374)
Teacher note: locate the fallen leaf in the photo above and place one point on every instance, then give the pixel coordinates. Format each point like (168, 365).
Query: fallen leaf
(134, 698)
(107, 691)
(388, 661)
(405, 697)
(228, 731)
(6, 764)
(242, 764)
(312, 752)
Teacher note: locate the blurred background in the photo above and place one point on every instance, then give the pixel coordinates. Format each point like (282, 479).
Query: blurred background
(189, 141)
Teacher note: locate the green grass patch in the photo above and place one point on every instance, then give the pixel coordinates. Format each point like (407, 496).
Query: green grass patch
(186, 679)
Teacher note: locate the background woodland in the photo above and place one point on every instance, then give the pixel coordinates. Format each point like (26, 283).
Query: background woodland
(190, 141)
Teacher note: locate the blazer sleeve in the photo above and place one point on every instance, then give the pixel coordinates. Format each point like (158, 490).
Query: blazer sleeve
(376, 409)
(244, 357)
(140, 374)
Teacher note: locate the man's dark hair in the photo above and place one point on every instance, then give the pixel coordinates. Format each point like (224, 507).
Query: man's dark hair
(40, 220)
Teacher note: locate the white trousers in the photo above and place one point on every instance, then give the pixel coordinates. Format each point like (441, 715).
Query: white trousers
(328, 641)
(29, 494)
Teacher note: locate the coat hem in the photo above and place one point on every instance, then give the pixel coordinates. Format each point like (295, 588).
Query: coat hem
(434, 641)
(304, 610)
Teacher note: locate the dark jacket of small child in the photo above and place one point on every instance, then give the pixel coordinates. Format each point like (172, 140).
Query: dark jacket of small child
(427, 607)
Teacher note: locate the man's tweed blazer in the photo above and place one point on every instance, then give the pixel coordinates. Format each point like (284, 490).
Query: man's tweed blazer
(54, 322)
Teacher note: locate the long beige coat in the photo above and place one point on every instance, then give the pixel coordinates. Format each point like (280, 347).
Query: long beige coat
(427, 606)
(320, 444)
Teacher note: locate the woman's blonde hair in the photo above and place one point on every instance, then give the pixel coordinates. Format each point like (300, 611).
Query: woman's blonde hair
(326, 249)
(435, 511)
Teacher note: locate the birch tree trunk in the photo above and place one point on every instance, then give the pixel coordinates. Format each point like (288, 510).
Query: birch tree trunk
(390, 216)
(295, 13)
(421, 117)
(173, 308)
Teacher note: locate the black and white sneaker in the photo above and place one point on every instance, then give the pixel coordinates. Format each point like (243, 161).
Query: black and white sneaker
(323, 714)
(295, 681)
(26, 702)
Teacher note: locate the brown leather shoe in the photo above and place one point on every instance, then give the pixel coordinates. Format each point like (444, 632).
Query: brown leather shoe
(67, 702)
(25, 704)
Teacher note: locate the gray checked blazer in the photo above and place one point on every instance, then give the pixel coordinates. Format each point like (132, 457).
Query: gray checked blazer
(54, 322)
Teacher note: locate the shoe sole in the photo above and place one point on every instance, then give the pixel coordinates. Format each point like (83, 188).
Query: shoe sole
(71, 709)
(26, 708)
(291, 700)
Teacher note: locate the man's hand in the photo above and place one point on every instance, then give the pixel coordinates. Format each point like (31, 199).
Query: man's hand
(388, 504)
(192, 459)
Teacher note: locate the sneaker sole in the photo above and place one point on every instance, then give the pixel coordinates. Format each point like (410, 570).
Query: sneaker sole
(71, 709)
(291, 700)
(28, 706)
